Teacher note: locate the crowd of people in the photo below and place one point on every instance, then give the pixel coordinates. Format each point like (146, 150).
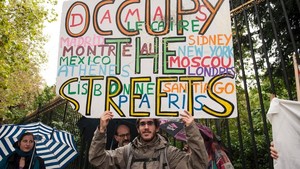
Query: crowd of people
(152, 150)
(148, 150)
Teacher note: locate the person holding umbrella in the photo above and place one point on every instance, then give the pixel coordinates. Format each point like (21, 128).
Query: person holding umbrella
(217, 157)
(149, 149)
(24, 155)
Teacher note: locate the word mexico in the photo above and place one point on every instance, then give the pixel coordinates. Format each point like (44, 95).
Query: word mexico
(97, 65)
(137, 93)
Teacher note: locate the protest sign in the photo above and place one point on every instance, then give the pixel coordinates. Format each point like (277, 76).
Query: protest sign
(142, 58)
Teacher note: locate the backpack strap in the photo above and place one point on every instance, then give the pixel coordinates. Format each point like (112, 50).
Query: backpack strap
(145, 159)
(163, 162)
(162, 158)
(127, 156)
(166, 159)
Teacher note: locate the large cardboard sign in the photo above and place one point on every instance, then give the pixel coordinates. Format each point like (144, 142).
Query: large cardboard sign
(147, 58)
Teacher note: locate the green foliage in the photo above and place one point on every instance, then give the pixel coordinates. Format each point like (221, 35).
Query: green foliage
(273, 43)
(255, 113)
(44, 97)
(21, 53)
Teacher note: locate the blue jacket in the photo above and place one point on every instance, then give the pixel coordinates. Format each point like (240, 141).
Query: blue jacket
(12, 162)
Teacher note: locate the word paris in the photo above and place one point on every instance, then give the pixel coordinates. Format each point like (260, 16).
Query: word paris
(147, 58)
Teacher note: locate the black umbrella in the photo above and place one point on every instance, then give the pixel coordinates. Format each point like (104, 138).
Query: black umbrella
(176, 129)
(87, 127)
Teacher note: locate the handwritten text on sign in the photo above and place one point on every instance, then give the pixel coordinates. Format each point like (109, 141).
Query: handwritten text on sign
(147, 58)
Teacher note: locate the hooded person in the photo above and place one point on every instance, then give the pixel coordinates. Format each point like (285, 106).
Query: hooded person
(24, 156)
(217, 154)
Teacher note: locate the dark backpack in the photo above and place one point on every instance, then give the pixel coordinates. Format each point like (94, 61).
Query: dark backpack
(129, 159)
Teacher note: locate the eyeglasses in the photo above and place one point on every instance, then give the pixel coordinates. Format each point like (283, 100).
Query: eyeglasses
(149, 123)
(124, 135)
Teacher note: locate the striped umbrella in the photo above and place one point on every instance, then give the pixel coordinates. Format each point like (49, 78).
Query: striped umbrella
(57, 148)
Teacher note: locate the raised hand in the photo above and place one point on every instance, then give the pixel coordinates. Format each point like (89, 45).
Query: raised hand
(104, 120)
(187, 118)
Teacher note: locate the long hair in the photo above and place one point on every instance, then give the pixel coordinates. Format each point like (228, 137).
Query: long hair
(33, 148)
(212, 145)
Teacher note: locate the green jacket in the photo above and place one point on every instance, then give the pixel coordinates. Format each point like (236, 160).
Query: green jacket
(176, 159)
